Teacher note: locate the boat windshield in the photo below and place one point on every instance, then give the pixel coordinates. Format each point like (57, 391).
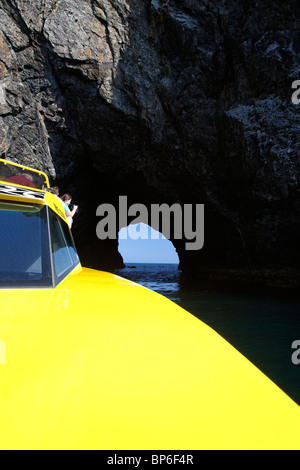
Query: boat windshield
(24, 246)
(36, 246)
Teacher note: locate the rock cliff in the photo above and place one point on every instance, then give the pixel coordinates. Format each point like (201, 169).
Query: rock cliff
(163, 101)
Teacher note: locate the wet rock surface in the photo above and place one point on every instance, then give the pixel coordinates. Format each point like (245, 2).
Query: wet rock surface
(175, 102)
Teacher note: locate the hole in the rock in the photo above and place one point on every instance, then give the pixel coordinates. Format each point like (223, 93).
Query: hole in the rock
(140, 243)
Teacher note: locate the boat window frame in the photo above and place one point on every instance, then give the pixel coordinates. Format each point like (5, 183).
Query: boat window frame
(46, 262)
(69, 243)
(50, 278)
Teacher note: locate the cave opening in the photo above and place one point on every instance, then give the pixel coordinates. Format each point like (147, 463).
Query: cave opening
(95, 188)
(93, 184)
(140, 243)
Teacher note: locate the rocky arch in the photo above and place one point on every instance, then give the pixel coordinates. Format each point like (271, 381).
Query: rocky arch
(175, 102)
(140, 243)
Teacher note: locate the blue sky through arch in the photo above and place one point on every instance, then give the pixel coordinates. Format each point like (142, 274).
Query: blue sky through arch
(139, 243)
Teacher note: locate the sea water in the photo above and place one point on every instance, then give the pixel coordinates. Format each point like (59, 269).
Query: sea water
(261, 326)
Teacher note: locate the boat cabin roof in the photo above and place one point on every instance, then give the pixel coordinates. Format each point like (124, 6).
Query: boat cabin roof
(21, 175)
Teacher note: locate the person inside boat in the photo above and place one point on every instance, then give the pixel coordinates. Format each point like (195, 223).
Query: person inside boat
(24, 179)
(54, 190)
(66, 199)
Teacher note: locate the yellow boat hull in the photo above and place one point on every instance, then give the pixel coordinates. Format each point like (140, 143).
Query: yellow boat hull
(102, 363)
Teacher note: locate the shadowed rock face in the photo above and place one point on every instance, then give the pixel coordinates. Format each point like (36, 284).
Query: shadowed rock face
(177, 102)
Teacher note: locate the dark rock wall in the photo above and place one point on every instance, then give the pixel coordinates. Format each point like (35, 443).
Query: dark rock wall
(177, 101)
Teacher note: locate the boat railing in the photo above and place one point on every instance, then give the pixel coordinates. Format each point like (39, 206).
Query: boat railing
(20, 175)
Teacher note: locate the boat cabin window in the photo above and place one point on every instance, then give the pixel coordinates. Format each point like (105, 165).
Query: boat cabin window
(15, 174)
(64, 254)
(36, 246)
(24, 246)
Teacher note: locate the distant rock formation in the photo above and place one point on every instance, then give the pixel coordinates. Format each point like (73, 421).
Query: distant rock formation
(164, 101)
